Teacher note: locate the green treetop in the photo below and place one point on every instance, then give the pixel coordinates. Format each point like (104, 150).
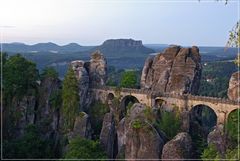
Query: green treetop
(129, 79)
(19, 76)
(49, 72)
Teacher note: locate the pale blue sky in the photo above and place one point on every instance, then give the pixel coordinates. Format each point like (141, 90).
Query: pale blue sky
(90, 22)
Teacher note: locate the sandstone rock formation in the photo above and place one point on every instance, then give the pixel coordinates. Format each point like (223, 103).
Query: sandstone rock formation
(121, 134)
(137, 136)
(177, 70)
(48, 91)
(234, 87)
(25, 109)
(179, 148)
(82, 127)
(97, 69)
(218, 139)
(92, 73)
(83, 80)
(108, 134)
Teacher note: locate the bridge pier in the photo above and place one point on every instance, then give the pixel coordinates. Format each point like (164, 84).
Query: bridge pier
(221, 118)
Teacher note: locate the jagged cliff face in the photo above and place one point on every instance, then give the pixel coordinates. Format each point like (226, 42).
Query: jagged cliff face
(48, 115)
(234, 85)
(177, 70)
(89, 74)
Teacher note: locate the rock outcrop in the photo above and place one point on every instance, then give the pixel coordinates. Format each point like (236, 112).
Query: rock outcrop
(97, 69)
(89, 74)
(234, 86)
(108, 135)
(82, 127)
(177, 70)
(48, 107)
(137, 137)
(83, 81)
(179, 148)
(26, 112)
(218, 139)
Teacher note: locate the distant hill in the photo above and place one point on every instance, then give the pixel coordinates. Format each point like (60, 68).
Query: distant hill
(123, 47)
(43, 47)
(120, 53)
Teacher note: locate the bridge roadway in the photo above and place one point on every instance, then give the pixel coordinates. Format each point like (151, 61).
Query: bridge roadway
(221, 106)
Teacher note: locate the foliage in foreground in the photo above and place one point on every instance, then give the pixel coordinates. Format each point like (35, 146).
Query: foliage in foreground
(81, 148)
(20, 76)
(31, 145)
(169, 123)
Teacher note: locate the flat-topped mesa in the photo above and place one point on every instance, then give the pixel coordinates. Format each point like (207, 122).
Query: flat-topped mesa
(123, 43)
(176, 70)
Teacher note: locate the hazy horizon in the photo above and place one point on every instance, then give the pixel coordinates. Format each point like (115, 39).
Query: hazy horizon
(186, 23)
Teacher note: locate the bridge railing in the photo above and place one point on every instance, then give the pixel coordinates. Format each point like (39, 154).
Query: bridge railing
(128, 90)
(159, 94)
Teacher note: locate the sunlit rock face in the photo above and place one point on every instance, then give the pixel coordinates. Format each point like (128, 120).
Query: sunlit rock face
(97, 69)
(234, 87)
(89, 74)
(176, 70)
(179, 148)
(137, 137)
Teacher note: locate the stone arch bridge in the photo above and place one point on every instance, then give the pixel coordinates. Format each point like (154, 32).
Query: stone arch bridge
(221, 107)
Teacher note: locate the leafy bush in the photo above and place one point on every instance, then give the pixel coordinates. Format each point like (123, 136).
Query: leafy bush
(137, 124)
(20, 76)
(129, 79)
(210, 153)
(169, 123)
(81, 148)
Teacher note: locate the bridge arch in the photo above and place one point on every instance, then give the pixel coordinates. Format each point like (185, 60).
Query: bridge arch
(159, 102)
(126, 102)
(110, 96)
(204, 116)
(202, 120)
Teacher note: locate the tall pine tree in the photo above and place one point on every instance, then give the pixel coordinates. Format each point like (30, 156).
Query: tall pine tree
(70, 99)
